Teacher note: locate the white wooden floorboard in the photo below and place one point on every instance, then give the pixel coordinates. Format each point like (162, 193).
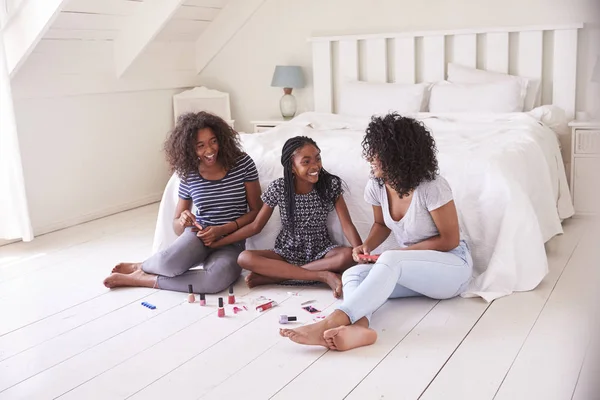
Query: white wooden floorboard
(132, 331)
(549, 363)
(73, 275)
(288, 361)
(65, 336)
(61, 239)
(55, 351)
(215, 364)
(588, 385)
(57, 324)
(61, 287)
(476, 369)
(336, 373)
(415, 361)
(124, 379)
(38, 260)
(50, 359)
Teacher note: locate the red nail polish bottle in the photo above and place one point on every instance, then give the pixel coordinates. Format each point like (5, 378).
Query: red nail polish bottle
(231, 299)
(221, 312)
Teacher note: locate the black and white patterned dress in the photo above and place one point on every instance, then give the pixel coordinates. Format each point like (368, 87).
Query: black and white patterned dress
(310, 240)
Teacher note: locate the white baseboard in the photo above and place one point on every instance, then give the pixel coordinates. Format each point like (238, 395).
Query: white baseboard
(105, 212)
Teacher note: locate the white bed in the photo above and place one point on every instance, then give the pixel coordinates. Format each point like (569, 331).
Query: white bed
(505, 169)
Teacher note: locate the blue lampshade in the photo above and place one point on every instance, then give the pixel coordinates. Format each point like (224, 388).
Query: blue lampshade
(288, 76)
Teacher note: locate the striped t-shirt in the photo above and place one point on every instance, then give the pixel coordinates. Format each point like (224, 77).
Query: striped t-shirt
(220, 201)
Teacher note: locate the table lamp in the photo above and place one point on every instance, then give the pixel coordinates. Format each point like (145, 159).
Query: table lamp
(288, 77)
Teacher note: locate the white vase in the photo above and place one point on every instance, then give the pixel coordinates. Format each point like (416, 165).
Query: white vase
(287, 104)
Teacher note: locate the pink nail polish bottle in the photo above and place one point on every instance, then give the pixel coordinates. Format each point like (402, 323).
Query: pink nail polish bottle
(231, 298)
(221, 312)
(191, 297)
(202, 299)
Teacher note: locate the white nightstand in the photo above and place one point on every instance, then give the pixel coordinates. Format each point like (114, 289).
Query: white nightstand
(265, 125)
(585, 166)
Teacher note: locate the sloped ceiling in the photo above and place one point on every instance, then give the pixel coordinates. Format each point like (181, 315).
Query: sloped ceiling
(117, 20)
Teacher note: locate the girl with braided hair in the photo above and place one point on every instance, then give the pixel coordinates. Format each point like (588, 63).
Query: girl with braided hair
(303, 249)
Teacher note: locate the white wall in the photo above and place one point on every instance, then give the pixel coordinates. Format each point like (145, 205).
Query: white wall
(91, 144)
(278, 32)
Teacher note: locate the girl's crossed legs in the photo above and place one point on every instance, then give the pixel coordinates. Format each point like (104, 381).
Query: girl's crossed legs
(397, 273)
(170, 269)
(268, 267)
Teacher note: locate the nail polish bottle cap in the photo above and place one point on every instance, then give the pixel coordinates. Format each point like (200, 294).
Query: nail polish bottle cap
(230, 289)
(190, 290)
(220, 302)
(292, 318)
(202, 297)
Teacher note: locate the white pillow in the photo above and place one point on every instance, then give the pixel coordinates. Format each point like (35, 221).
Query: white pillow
(364, 99)
(495, 97)
(530, 87)
(553, 117)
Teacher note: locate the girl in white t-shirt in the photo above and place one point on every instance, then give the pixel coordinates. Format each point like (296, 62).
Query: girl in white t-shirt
(414, 203)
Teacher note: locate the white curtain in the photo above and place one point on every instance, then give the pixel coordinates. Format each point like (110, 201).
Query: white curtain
(14, 214)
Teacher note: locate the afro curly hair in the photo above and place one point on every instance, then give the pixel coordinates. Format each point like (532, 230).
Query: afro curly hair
(405, 149)
(180, 146)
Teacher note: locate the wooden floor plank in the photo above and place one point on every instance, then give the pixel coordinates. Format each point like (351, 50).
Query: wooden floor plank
(55, 241)
(335, 374)
(64, 334)
(549, 363)
(412, 365)
(215, 364)
(477, 367)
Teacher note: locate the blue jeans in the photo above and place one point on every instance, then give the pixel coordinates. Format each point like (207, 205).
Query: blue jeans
(405, 273)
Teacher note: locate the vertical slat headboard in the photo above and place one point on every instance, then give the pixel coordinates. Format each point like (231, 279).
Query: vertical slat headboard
(414, 57)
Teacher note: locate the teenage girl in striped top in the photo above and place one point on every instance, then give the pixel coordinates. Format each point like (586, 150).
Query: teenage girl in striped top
(221, 181)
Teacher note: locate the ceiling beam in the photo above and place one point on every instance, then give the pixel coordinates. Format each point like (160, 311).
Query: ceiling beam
(141, 30)
(225, 25)
(26, 28)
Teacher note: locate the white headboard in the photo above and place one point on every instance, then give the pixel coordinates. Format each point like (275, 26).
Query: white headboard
(548, 53)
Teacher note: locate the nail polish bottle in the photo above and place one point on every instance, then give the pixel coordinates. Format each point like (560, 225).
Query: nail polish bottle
(191, 297)
(284, 319)
(221, 312)
(231, 298)
(202, 299)
(265, 306)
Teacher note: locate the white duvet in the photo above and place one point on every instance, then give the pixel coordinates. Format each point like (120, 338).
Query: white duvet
(506, 173)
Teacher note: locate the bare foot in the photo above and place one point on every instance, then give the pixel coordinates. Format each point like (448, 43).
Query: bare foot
(126, 268)
(253, 279)
(138, 278)
(349, 337)
(334, 282)
(309, 334)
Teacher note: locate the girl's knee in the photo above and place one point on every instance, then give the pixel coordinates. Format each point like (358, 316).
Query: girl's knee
(357, 272)
(245, 259)
(223, 275)
(387, 259)
(346, 255)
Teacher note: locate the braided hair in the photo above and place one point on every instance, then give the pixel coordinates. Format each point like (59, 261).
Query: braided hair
(323, 185)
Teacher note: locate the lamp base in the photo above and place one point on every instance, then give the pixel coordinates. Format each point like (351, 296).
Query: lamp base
(287, 104)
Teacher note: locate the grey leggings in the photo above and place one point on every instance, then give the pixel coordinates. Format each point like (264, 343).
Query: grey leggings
(173, 264)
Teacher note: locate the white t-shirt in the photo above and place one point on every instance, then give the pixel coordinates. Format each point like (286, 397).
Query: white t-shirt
(417, 224)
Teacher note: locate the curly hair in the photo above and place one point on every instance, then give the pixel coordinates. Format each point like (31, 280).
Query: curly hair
(180, 146)
(405, 149)
(322, 187)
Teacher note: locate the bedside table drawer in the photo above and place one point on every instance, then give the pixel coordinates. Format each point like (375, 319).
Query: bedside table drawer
(587, 141)
(586, 185)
